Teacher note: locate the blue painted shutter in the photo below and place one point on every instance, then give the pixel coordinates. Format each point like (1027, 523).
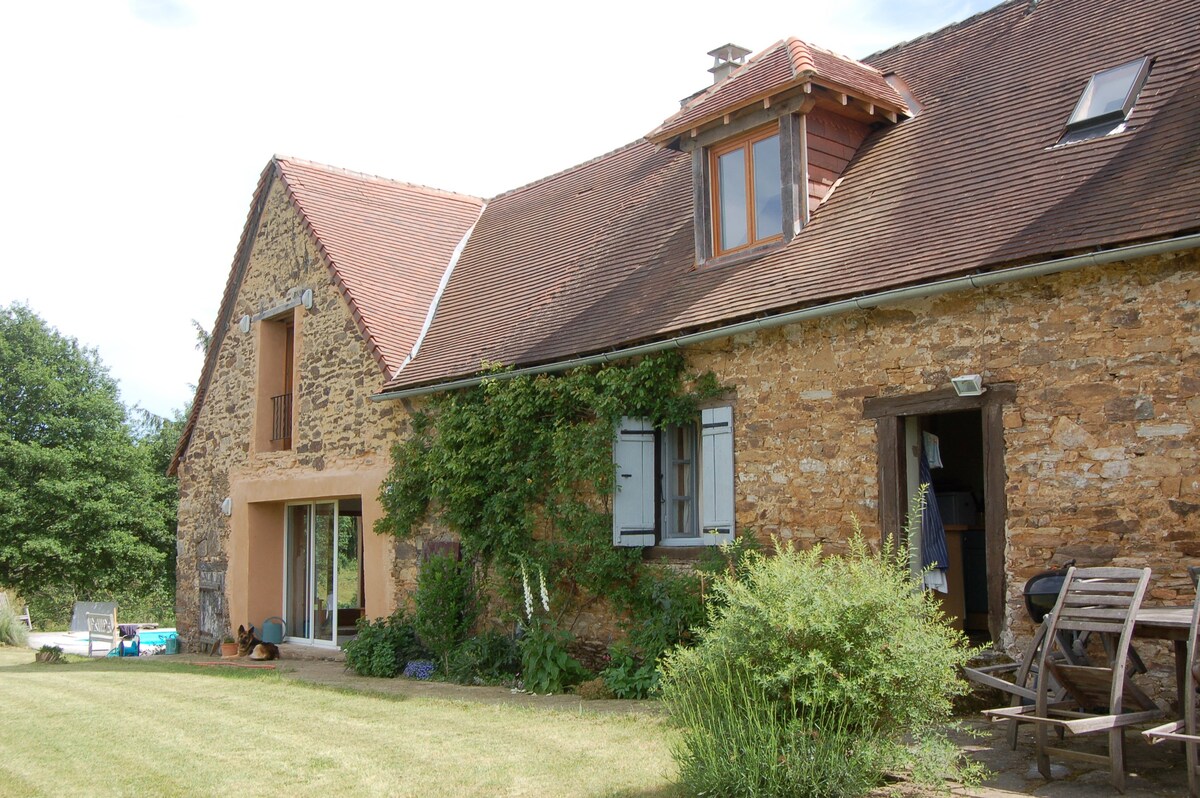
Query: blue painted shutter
(716, 474)
(633, 492)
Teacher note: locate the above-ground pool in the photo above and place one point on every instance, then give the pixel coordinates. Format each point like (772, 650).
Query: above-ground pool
(147, 642)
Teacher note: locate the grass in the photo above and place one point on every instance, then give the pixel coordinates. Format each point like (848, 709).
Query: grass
(155, 727)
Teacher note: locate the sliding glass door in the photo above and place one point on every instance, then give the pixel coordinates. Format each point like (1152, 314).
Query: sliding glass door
(310, 585)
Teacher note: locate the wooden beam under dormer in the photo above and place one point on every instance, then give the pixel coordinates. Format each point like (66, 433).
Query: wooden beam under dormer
(799, 104)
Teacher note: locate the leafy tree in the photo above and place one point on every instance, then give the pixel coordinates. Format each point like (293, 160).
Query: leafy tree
(203, 336)
(158, 438)
(80, 510)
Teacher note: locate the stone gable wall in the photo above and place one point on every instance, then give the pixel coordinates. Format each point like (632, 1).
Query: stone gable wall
(337, 426)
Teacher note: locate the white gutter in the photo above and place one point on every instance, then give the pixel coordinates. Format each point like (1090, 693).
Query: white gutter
(998, 277)
(437, 296)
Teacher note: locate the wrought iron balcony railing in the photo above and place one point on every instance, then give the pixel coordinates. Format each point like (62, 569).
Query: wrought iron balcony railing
(281, 417)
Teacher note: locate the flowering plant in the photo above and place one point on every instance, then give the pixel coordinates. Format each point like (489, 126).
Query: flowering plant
(546, 667)
(420, 669)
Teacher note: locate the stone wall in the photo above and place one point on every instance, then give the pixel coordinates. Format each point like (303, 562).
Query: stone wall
(1100, 444)
(337, 427)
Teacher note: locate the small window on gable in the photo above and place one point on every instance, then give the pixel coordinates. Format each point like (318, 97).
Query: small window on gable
(674, 485)
(1106, 101)
(746, 191)
(276, 367)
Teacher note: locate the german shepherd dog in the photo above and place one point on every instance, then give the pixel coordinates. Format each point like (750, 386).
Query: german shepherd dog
(250, 646)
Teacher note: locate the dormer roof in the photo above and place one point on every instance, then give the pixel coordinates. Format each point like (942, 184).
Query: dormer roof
(783, 67)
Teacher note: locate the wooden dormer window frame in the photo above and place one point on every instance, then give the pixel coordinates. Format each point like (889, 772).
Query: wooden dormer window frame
(746, 191)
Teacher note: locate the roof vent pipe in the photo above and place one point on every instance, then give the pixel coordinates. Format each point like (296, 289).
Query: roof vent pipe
(726, 58)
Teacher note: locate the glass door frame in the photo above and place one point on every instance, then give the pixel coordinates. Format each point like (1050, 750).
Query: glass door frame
(310, 575)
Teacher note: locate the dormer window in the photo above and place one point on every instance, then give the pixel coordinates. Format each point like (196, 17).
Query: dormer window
(1106, 101)
(746, 193)
(769, 140)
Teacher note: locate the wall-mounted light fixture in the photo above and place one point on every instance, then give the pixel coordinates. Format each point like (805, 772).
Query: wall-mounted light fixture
(968, 385)
(227, 507)
(306, 299)
(244, 324)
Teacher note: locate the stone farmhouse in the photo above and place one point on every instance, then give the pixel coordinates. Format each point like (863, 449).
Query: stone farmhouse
(986, 237)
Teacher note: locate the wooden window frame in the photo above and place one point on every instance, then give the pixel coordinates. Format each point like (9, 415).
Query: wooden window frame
(744, 142)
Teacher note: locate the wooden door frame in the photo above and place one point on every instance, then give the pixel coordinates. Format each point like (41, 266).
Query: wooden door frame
(888, 413)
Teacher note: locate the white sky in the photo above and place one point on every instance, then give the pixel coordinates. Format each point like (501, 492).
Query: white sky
(135, 131)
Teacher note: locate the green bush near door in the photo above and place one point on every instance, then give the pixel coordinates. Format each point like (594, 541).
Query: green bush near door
(813, 675)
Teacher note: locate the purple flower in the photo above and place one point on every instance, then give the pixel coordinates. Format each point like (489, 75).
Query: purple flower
(419, 669)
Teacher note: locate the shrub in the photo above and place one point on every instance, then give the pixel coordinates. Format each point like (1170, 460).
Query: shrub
(669, 607)
(487, 658)
(629, 676)
(593, 690)
(50, 655)
(446, 605)
(818, 660)
(546, 667)
(141, 602)
(382, 647)
(739, 742)
(12, 630)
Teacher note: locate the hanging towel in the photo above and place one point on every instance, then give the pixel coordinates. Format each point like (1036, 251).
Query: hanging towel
(933, 449)
(933, 535)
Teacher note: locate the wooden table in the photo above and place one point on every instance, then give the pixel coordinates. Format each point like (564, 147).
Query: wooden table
(1167, 623)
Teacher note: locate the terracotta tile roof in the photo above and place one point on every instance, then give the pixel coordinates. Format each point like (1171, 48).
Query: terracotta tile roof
(784, 65)
(386, 244)
(601, 256)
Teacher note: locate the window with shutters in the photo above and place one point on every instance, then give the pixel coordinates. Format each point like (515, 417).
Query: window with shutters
(674, 485)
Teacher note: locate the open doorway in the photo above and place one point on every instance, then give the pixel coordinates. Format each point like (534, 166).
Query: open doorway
(953, 446)
(351, 587)
(968, 487)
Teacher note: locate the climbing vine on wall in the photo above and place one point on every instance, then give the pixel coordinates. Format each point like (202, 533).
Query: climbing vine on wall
(521, 469)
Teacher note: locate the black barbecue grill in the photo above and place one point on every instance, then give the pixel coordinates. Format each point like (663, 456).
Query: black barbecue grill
(1041, 592)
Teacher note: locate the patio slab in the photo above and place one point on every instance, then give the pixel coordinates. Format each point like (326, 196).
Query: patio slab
(70, 642)
(1156, 771)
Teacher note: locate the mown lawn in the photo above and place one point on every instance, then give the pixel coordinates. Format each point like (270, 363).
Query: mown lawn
(148, 727)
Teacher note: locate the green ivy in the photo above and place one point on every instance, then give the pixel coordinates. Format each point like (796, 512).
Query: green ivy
(520, 468)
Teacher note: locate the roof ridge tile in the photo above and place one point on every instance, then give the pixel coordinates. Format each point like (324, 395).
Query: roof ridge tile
(567, 170)
(366, 176)
(944, 30)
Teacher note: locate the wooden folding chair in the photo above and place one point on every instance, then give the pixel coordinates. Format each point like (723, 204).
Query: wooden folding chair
(1185, 730)
(1096, 698)
(1022, 688)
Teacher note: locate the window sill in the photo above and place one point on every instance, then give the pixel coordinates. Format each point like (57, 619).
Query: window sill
(675, 553)
(741, 256)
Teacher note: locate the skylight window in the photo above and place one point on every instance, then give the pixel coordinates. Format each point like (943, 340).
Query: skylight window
(1107, 98)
